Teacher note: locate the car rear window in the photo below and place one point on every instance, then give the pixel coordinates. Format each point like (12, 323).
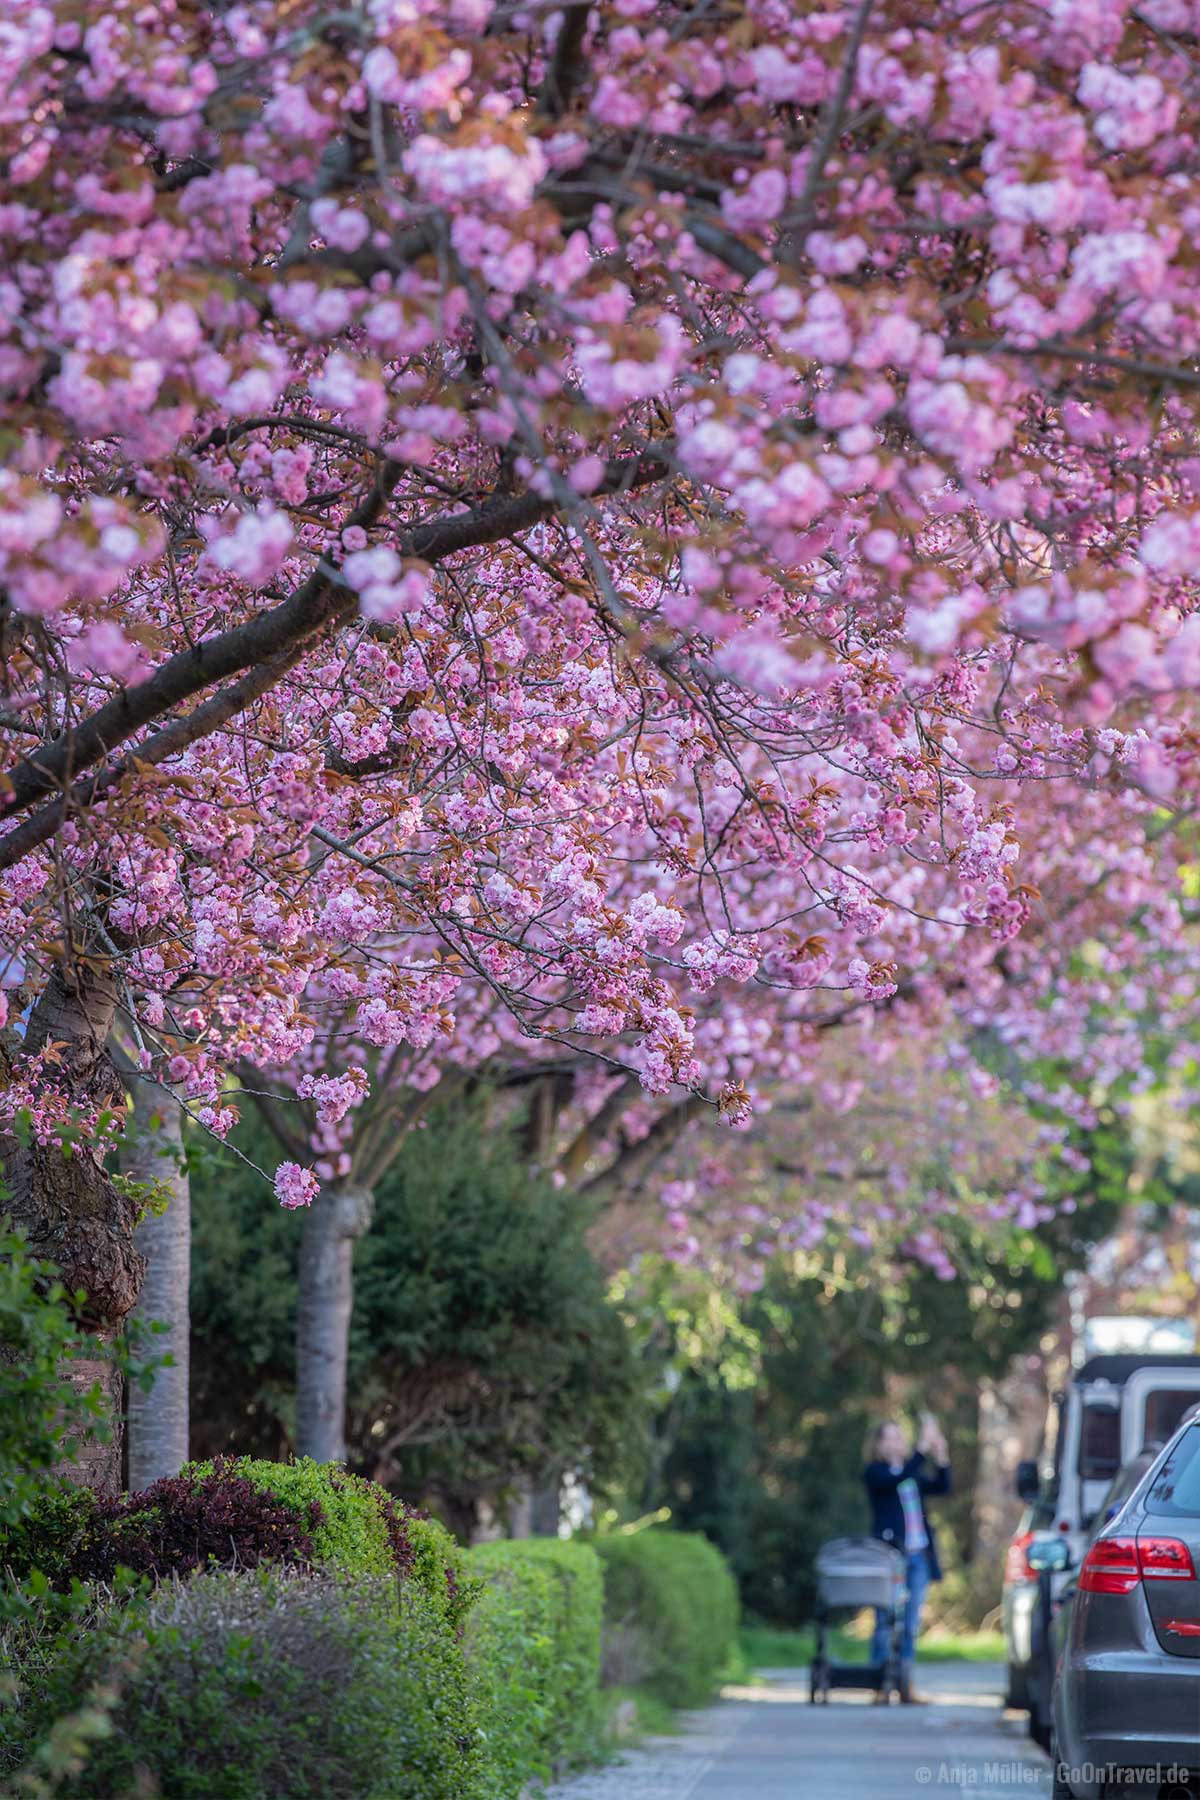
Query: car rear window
(1176, 1489)
(1100, 1443)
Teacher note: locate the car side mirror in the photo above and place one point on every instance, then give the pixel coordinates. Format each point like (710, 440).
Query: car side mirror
(1028, 1482)
(1051, 1556)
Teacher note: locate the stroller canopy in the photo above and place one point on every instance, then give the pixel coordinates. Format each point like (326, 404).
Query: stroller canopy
(858, 1555)
(859, 1572)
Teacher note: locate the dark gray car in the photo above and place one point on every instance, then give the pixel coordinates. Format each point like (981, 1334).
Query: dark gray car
(1127, 1687)
(1045, 1555)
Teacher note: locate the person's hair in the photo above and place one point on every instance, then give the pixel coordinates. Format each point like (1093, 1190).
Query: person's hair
(871, 1441)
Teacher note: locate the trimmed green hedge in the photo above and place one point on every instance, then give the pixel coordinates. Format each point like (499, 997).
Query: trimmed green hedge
(325, 1576)
(356, 1529)
(533, 1648)
(365, 1658)
(273, 1684)
(677, 1592)
(238, 1512)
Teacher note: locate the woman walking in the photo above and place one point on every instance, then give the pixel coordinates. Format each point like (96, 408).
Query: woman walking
(898, 1480)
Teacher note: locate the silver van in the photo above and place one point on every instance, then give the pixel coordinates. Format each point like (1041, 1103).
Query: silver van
(1114, 1405)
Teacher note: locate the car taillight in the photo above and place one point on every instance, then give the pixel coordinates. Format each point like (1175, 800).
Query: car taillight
(1110, 1567)
(1016, 1561)
(1116, 1565)
(1165, 1559)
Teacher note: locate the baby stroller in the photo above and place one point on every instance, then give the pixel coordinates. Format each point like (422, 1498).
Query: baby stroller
(852, 1573)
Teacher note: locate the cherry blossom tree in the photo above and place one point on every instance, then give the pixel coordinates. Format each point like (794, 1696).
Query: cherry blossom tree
(876, 1132)
(616, 502)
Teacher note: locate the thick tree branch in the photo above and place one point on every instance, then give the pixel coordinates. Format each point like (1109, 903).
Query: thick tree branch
(266, 646)
(566, 64)
(170, 741)
(636, 1159)
(189, 672)
(578, 1153)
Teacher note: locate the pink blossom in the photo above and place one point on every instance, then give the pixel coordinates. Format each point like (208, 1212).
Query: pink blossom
(482, 174)
(104, 648)
(344, 227)
(249, 545)
(1181, 657)
(759, 203)
(334, 1094)
(294, 1186)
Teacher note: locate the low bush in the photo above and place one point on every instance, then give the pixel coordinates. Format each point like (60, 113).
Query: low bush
(273, 1684)
(533, 1648)
(42, 1414)
(268, 1548)
(235, 1512)
(671, 1593)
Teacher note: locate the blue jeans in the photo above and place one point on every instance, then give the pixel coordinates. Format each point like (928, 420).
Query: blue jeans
(917, 1580)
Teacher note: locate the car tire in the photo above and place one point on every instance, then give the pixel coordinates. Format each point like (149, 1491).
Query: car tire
(1039, 1730)
(1017, 1693)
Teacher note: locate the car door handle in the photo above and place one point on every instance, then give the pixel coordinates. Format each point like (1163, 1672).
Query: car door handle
(1183, 1627)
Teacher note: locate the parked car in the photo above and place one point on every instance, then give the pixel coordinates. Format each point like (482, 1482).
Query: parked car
(1048, 1594)
(1126, 1702)
(1020, 1600)
(1114, 1406)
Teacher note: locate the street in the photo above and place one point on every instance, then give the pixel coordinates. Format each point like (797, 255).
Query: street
(768, 1743)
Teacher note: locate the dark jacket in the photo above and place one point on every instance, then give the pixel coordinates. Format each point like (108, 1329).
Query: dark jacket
(887, 1513)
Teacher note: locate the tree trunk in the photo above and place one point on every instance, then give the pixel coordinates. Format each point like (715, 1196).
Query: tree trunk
(158, 1416)
(520, 1510)
(546, 1509)
(1012, 1413)
(337, 1218)
(68, 1207)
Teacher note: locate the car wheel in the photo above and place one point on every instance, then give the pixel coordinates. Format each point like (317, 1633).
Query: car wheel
(1017, 1694)
(1039, 1728)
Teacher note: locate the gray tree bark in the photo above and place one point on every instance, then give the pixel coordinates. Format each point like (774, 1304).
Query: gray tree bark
(69, 1208)
(158, 1416)
(336, 1220)
(546, 1511)
(1012, 1412)
(520, 1511)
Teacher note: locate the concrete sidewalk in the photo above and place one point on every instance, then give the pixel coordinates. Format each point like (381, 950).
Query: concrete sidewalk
(768, 1743)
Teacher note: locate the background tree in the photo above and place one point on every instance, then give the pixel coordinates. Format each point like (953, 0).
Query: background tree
(484, 1353)
(762, 1449)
